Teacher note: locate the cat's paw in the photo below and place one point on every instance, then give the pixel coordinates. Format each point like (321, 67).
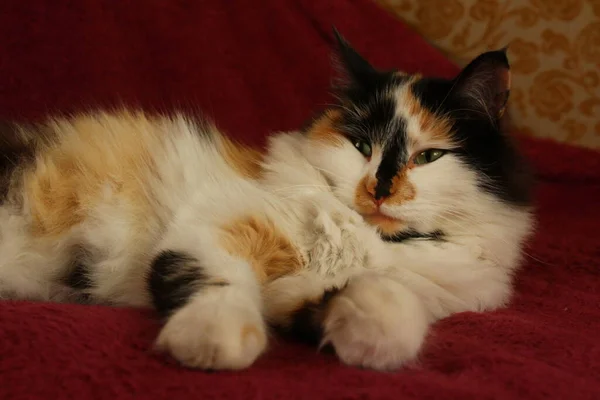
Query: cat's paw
(376, 323)
(332, 213)
(214, 334)
(337, 239)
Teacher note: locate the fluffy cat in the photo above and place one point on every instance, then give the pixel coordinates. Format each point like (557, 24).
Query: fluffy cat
(403, 204)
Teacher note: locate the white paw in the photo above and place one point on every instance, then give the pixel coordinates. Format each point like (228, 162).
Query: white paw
(376, 323)
(337, 240)
(213, 333)
(338, 213)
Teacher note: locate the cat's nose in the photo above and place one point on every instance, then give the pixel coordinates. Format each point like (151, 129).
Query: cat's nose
(378, 192)
(380, 198)
(379, 201)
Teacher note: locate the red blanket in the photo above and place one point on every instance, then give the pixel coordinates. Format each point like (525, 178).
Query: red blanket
(256, 67)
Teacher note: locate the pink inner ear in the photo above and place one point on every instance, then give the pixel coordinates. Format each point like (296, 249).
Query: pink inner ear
(503, 89)
(504, 78)
(485, 83)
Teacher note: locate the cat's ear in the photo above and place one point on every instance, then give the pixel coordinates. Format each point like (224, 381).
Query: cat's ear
(484, 84)
(354, 67)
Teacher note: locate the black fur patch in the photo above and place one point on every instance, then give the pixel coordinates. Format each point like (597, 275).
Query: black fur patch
(370, 111)
(14, 152)
(174, 277)
(79, 278)
(307, 321)
(388, 169)
(412, 234)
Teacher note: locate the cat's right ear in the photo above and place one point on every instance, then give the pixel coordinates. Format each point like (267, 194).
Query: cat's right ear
(356, 70)
(484, 84)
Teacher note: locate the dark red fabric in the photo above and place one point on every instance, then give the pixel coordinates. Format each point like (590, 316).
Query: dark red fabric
(261, 66)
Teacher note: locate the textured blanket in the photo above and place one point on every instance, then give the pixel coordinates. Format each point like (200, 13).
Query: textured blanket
(256, 67)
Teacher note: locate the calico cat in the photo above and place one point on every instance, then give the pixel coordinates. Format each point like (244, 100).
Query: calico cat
(404, 203)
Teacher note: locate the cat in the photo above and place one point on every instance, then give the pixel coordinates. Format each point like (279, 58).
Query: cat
(402, 204)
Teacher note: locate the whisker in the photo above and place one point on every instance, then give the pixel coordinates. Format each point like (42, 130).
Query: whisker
(300, 187)
(463, 218)
(341, 178)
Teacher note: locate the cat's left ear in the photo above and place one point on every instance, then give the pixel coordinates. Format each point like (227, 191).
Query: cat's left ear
(484, 84)
(357, 70)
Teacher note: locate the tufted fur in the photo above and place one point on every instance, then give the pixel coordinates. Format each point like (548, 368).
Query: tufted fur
(362, 251)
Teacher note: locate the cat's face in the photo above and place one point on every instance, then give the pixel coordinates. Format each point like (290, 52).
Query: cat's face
(414, 154)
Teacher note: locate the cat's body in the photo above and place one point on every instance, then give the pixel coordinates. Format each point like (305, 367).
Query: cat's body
(129, 209)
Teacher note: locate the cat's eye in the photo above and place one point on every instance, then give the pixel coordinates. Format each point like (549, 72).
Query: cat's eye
(363, 147)
(428, 156)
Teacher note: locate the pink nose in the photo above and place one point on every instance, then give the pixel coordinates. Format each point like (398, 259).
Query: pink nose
(379, 201)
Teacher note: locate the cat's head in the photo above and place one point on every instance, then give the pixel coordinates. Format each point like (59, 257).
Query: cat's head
(411, 153)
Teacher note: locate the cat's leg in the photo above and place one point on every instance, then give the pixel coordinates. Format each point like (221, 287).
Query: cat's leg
(31, 268)
(449, 277)
(376, 313)
(370, 319)
(210, 299)
(343, 299)
(376, 322)
(381, 318)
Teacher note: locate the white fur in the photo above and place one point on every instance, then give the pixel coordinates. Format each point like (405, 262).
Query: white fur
(209, 331)
(376, 322)
(394, 292)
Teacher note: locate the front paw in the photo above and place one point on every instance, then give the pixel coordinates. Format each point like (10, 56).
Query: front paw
(328, 214)
(337, 240)
(214, 334)
(376, 323)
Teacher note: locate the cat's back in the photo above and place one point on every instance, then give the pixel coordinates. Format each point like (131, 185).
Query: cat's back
(127, 158)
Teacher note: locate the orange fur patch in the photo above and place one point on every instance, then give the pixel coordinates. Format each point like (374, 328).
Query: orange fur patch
(323, 129)
(257, 240)
(386, 225)
(402, 189)
(363, 198)
(245, 160)
(432, 130)
(62, 185)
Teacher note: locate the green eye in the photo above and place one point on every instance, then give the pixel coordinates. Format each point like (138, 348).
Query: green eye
(428, 156)
(363, 147)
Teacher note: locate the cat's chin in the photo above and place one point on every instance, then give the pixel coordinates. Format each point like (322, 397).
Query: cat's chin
(386, 225)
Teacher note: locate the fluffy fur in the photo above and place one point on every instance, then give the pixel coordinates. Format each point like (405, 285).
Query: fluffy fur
(345, 233)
